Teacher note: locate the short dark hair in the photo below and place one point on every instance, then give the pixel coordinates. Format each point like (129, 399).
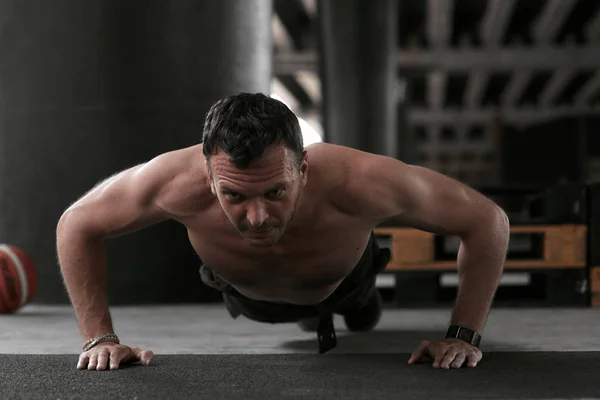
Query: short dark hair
(246, 124)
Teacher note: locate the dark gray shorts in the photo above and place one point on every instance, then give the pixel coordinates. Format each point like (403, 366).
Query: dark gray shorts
(352, 294)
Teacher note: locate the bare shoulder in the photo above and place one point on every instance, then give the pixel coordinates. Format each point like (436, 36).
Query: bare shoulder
(166, 187)
(185, 189)
(378, 188)
(327, 165)
(346, 175)
(335, 158)
(368, 185)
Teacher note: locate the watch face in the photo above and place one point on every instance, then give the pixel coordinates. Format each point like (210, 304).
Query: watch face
(464, 335)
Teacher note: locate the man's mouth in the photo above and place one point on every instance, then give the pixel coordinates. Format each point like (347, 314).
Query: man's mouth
(259, 232)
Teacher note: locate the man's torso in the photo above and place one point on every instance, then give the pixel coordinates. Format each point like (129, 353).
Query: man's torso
(323, 243)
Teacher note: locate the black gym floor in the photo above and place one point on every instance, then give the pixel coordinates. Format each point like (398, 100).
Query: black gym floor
(201, 353)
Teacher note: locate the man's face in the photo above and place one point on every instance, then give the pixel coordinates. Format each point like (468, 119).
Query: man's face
(259, 201)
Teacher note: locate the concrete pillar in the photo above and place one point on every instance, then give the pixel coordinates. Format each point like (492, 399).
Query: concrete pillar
(89, 88)
(359, 74)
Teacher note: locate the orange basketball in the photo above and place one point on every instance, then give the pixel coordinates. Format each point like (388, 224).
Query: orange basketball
(18, 278)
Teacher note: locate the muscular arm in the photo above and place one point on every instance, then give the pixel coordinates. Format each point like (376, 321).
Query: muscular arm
(124, 203)
(426, 200)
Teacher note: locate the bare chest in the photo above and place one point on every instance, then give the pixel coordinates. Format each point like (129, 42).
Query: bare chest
(305, 266)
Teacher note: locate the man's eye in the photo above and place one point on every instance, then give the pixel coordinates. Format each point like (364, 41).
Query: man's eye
(277, 192)
(235, 196)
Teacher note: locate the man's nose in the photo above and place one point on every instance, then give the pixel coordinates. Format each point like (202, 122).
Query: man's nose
(256, 214)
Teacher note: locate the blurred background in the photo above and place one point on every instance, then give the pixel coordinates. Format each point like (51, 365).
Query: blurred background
(503, 95)
(488, 91)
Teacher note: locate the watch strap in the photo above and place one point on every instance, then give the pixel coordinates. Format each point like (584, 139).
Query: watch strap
(465, 334)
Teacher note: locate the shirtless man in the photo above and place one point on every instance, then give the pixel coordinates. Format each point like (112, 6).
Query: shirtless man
(285, 232)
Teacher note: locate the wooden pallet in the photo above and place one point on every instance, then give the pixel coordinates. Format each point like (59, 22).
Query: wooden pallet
(564, 246)
(595, 286)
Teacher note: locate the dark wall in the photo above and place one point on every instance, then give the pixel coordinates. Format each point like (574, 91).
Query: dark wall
(592, 128)
(89, 88)
(545, 154)
(594, 225)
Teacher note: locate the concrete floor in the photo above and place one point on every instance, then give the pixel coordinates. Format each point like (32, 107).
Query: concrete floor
(208, 329)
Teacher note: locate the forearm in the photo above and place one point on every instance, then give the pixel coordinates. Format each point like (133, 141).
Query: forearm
(481, 259)
(83, 265)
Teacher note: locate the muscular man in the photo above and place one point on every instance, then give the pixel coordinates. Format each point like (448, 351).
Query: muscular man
(285, 232)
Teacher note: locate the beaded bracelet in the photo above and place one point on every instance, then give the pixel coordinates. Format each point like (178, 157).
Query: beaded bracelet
(109, 337)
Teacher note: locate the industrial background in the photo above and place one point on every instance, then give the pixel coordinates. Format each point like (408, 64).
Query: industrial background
(502, 95)
(473, 76)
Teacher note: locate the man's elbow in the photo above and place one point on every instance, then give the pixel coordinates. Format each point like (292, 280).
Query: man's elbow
(500, 223)
(492, 220)
(503, 218)
(499, 216)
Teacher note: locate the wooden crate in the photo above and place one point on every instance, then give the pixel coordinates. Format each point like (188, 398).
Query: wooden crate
(595, 286)
(564, 246)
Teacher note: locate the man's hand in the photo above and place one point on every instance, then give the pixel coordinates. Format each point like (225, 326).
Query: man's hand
(111, 355)
(447, 353)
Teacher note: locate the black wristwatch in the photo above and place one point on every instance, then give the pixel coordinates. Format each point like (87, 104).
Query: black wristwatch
(469, 336)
